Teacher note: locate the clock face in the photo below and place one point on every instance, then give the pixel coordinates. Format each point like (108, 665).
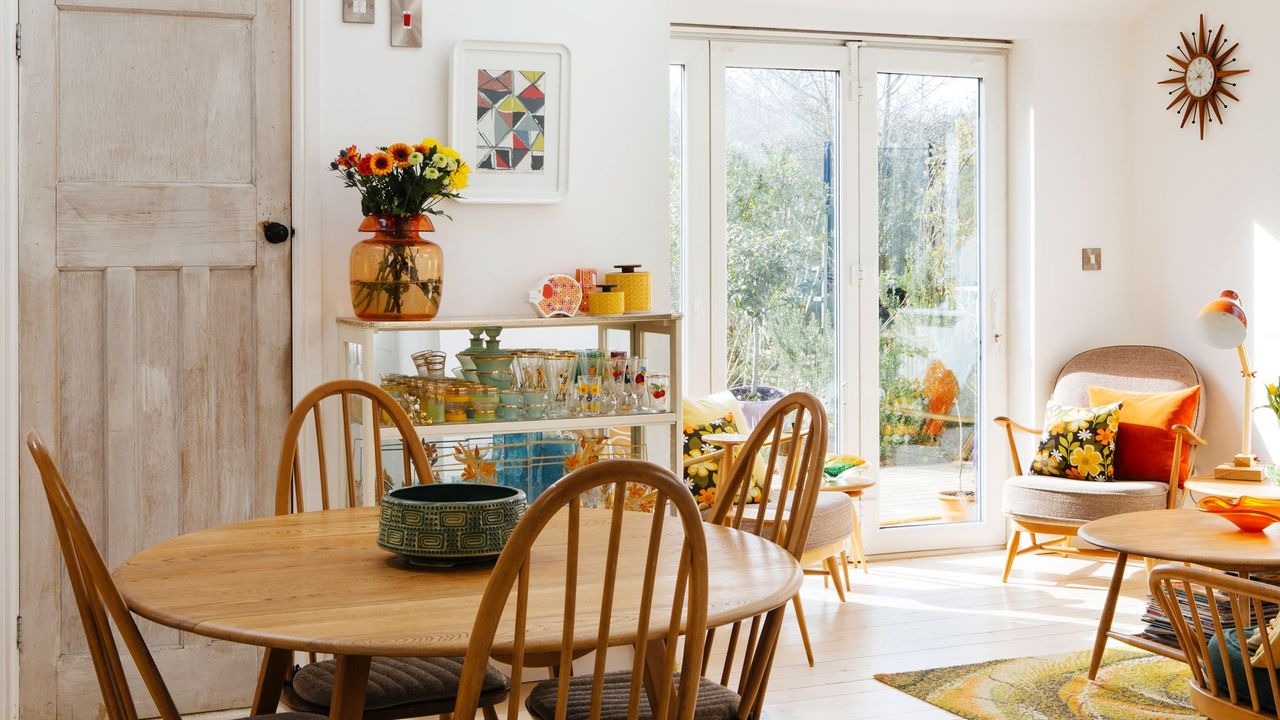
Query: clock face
(1200, 76)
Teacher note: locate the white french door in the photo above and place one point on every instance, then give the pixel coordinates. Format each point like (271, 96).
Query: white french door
(931, 169)
(838, 228)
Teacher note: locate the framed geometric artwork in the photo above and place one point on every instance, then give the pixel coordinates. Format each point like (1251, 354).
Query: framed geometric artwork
(509, 118)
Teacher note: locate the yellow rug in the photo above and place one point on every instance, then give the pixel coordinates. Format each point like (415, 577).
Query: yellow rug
(1130, 686)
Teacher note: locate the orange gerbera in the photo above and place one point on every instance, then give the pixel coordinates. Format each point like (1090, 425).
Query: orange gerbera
(349, 157)
(400, 153)
(381, 163)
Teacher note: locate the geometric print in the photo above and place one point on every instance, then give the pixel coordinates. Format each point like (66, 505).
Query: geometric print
(511, 120)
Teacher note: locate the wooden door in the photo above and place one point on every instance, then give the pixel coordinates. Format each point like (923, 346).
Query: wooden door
(155, 318)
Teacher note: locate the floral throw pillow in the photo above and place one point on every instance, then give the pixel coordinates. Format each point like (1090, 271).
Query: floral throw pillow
(702, 477)
(1078, 442)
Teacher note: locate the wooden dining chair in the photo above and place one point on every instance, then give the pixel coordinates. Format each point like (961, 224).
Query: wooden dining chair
(1233, 672)
(787, 500)
(290, 493)
(100, 606)
(398, 687)
(653, 680)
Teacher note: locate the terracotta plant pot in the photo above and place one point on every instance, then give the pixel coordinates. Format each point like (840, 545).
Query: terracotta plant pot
(956, 505)
(396, 274)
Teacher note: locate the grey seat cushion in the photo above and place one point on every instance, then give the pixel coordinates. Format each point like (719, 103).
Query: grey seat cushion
(832, 518)
(394, 681)
(1076, 502)
(715, 701)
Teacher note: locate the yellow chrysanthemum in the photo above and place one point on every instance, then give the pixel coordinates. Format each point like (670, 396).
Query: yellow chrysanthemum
(400, 152)
(381, 163)
(460, 177)
(449, 152)
(428, 143)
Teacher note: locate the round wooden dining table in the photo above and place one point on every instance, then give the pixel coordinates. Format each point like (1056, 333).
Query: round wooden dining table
(318, 582)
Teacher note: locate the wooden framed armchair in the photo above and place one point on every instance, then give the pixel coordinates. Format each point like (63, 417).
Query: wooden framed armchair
(1056, 507)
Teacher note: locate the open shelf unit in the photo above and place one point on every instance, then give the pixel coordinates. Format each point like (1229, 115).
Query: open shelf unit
(358, 340)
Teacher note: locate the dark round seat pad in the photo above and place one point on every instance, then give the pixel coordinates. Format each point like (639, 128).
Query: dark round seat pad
(715, 701)
(394, 681)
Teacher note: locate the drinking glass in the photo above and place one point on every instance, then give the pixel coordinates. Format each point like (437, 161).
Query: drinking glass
(590, 383)
(659, 386)
(633, 394)
(561, 370)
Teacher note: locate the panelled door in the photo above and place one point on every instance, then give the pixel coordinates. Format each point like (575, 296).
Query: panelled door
(155, 316)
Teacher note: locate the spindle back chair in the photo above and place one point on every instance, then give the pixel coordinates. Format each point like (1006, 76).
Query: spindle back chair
(1229, 679)
(650, 674)
(782, 513)
(289, 485)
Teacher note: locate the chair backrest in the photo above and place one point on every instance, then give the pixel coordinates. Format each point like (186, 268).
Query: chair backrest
(1228, 678)
(513, 570)
(1135, 368)
(99, 601)
(289, 488)
(797, 424)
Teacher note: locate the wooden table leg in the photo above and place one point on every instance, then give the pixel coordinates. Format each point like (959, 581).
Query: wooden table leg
(275, 665)
(1108, 613)
(350, 681)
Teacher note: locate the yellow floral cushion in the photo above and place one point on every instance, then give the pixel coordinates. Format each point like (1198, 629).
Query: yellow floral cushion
(1078, 442)
(703, 476)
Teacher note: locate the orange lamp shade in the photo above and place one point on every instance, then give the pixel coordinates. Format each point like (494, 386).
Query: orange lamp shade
(1222, 323)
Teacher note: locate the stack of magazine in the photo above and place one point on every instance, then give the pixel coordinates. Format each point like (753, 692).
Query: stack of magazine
(1160, 630)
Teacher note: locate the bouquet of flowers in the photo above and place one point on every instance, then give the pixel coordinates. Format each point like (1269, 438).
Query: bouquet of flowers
(403, 180)
(1273, 399)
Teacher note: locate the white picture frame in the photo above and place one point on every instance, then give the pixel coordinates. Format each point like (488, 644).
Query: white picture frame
(515, 156)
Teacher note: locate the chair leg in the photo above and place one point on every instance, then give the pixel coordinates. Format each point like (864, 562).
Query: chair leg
(1011, 554)
(844, 564)
(859, 550)
(804, 628)
(835, 575)
(490, 713)
(1150, 563)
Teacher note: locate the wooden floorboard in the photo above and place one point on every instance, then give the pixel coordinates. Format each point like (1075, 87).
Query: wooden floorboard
(932, 612)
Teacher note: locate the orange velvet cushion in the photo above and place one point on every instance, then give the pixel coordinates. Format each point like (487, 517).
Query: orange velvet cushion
(1144, 445)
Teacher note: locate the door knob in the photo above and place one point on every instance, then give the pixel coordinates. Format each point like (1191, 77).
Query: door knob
(275, 232)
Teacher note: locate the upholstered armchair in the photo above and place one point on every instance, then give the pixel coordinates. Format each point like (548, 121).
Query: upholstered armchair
(1054, 507)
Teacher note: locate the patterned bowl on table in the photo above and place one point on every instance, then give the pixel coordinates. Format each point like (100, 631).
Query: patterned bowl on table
(449, 523)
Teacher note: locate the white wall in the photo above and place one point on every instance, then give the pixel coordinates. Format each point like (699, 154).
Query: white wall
(1206, 215)
(1068, 167)
(358, 89)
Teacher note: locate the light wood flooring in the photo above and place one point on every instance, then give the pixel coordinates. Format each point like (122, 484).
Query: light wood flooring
(931, 612)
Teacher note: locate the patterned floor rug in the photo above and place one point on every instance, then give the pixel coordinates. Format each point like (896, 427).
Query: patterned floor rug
(1130, 686)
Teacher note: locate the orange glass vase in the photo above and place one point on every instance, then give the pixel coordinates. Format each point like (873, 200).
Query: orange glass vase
(396, 274)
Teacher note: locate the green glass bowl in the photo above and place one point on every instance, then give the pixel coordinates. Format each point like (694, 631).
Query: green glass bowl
(448, 524)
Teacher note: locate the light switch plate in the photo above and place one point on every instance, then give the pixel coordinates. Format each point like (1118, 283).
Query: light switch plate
(406, 23)
(1090, 259)
(357, 11)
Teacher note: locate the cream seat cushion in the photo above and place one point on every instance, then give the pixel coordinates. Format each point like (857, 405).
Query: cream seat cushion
(1062, 501)
(832, 518)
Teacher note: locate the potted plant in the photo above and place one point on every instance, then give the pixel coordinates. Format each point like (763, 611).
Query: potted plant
(397, 274)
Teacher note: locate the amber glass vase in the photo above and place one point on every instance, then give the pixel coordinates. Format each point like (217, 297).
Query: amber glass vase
(396, 274)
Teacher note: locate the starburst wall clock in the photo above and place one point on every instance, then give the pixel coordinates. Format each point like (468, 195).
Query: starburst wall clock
(1200, 76)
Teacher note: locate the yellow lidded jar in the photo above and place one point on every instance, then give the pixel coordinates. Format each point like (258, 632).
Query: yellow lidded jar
(636, 286)
(606, 301)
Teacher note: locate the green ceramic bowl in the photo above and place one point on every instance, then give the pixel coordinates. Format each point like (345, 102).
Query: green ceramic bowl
(449, 523)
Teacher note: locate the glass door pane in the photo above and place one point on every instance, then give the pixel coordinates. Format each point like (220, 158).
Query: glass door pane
(781, 153)
(930, 291)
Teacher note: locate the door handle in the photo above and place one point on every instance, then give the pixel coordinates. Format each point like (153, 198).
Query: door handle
(276, 233)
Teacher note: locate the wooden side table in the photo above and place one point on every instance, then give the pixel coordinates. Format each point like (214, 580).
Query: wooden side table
(1199, 487)
(1188, 536)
